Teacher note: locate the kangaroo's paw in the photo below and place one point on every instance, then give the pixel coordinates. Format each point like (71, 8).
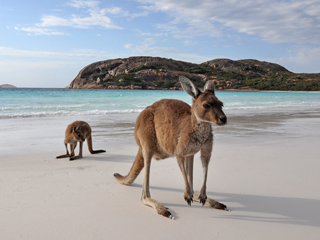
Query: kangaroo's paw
(188, 198)
(202, 199)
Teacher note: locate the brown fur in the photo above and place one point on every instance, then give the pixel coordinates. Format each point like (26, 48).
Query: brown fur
(172, 128)
(78, 131)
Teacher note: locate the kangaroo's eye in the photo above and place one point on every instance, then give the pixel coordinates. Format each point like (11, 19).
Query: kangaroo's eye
(206, 105)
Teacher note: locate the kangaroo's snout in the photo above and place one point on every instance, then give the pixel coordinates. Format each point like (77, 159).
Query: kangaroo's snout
(223, 119)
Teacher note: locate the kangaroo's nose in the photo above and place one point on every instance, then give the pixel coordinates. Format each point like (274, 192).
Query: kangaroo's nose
(223, 119)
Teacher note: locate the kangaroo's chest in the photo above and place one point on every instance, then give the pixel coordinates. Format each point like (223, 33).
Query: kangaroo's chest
(199, 139)
(193, 142)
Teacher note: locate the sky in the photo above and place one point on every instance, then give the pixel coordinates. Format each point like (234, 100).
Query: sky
(46, 43)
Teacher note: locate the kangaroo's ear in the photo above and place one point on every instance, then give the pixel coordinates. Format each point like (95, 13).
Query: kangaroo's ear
(74, 128)
(209, 86)
(189, 87)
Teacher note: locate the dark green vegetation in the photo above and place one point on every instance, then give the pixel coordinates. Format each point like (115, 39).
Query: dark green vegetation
(260, 79)
(130, 79)
(283, 81)
(125, 80)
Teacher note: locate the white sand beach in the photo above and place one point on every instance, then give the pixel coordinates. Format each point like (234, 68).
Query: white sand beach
(266, 169)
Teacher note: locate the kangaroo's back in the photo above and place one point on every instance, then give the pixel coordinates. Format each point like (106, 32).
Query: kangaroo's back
(161, 124)
(83, 126)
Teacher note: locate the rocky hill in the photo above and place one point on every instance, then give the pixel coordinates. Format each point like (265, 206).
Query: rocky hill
(162, 73)
(7, 86)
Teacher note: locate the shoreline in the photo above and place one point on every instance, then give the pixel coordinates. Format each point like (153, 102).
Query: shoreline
(123, 89)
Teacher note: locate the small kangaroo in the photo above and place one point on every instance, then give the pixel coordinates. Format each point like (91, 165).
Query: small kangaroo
(170, 128)
(78, 131)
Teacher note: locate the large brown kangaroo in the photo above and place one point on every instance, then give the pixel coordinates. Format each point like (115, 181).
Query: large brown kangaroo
(172, 128)
(78, 131)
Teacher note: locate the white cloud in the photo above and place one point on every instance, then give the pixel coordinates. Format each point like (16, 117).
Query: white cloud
(189, 43)
(116, 11)
(195, 28)
(111, 10)
(147, 48)
(157, 34)
(95, 18)
(301, 59)
(53, 21)
(295, 21)
(83, 4)
(76, 54)
(92, 16)
(39, 31)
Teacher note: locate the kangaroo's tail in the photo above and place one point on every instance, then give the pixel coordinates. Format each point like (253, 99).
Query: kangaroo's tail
(89, 142)
(136, 168)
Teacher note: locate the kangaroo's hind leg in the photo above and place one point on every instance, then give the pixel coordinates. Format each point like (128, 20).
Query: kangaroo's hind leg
(146, 197)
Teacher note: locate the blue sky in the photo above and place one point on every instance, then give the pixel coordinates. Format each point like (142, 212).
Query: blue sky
(46, 43)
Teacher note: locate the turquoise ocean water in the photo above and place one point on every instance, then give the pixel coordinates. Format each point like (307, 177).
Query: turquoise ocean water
(29, 103)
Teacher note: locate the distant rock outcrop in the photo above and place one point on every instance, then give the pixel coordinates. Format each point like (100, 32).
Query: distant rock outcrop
(7, 86)
(249, 67)
(163, 73)
(141, 71)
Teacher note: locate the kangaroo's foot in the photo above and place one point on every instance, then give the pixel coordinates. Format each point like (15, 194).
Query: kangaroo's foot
(161, 210)
(210, 202)
(75, 157)
(63, 156)
(97, 151)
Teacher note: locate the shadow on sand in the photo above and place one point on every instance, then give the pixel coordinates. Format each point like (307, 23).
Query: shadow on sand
(298, 211)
